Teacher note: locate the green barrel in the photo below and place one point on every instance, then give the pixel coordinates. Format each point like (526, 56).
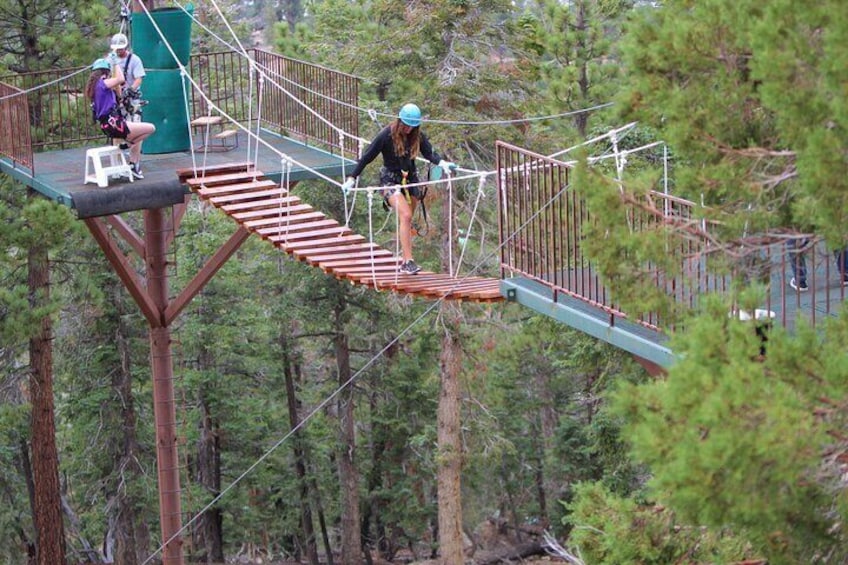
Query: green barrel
(147, 43)
(163, 86)
(163, 89)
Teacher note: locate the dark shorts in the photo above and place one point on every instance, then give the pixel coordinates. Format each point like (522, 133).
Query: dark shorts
(115, 126)
(393, 179)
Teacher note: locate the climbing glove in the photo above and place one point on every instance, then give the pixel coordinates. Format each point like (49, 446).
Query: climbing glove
(113, 59)
(447, 166)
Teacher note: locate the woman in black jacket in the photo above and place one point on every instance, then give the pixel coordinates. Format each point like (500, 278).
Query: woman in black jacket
(400, 143)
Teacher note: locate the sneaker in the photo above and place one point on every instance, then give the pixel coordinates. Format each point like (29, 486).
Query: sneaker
(136, 171)
(802, 287)
(124, 146)
(409, 268)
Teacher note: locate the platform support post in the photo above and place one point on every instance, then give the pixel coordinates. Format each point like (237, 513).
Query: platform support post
(164, 407)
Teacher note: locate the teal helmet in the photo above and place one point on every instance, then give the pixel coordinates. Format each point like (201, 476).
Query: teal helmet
(100, 64)
(410, 114)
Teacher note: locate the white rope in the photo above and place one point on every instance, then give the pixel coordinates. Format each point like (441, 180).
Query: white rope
(250, 72)
(188, 125)
(445, 180)
(371, 237)
(285, 166)
(206, 138)
(349, 210)
(480, 194)
(260, 93)
(450, 224)
(349, 213)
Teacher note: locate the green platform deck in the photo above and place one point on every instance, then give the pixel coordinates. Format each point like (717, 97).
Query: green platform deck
(59, 175)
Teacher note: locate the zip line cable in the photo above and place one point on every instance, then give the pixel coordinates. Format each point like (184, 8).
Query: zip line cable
(353, 377)
(373, 113)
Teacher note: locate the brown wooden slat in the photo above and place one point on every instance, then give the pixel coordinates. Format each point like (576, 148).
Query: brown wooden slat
(455, 287)
(373, 253)
(245, 189)
(317, 253)
(220, 179)
(292, 227)
(295, 219)
(360, 262)
(326, 242)
(363, 272)
(247, 195)
(270, 213)
(260, 204)
(183, 174)
(311, 234)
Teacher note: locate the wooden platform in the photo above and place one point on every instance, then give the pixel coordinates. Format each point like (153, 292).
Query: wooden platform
(58, 174)
(265, 208)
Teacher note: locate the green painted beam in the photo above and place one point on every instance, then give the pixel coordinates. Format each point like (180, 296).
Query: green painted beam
(25, 176)
(630, 337)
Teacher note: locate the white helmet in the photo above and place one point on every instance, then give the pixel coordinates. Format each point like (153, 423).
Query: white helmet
(119, 41)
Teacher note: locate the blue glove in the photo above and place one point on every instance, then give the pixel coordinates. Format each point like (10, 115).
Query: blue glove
(113, 59)
(348, 184)
(447, 166)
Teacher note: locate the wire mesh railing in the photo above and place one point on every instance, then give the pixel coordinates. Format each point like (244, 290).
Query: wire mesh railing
(310, 101)
(543, 225)
(15, 142)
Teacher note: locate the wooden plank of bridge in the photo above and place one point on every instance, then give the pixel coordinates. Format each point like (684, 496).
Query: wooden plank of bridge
(267, 209)
(185, 174)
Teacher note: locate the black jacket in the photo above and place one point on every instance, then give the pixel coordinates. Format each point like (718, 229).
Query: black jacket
(382, 143)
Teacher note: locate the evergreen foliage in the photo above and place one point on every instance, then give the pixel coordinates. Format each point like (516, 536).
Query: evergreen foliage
(741, 442)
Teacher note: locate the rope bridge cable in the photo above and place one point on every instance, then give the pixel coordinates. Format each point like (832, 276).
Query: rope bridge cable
(480, 194)
(350, 381)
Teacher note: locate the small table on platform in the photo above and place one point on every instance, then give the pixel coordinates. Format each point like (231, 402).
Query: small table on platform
(228, 137)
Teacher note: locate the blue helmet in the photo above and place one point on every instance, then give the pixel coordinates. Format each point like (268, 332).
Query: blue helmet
(100, 64)
(410, 114)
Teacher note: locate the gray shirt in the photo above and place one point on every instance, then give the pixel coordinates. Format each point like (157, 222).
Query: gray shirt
(133, 70)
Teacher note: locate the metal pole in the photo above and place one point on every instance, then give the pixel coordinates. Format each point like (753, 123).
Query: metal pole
(164, 408)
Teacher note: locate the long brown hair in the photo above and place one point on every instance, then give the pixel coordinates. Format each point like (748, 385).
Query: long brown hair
(399, 140)
(92, 80)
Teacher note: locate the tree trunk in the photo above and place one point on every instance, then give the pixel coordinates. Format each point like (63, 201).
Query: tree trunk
(581, 120)
(47, 512)
(351, 550)
(25, 468)
(299, 457)
(315, 492)
(131, 534)
(210, 526)
(449, 445)
(292, 13)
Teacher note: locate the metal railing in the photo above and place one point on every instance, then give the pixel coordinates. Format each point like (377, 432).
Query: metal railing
(15, 140)
(310, 101)
(542, 222)
(57, 114)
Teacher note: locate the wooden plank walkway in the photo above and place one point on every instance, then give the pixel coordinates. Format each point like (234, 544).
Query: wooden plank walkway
(284, 220)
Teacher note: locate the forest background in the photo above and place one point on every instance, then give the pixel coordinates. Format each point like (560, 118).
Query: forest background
(730, 457)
